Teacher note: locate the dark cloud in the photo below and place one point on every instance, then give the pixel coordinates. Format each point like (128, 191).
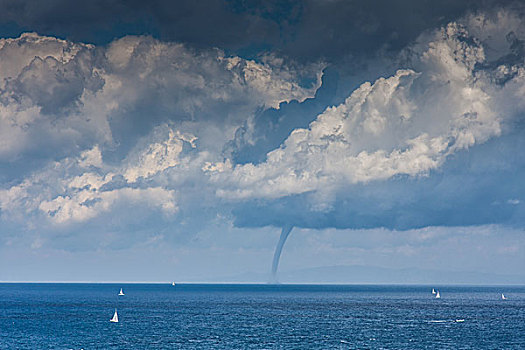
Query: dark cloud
(202, 23)
(307, 30)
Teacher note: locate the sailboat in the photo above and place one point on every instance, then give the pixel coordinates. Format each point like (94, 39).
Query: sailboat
(503, 297)
(173, 284)
(437, 295)
(121, 292)
(433, 291)
(115, 317)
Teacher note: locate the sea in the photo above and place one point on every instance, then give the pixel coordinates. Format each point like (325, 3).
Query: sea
(259, 316)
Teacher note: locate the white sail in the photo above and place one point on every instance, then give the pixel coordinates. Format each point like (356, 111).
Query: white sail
(121, 292)
(437, 295)
(115, 317)
(433, 291)
(503, 297)
(173, 283)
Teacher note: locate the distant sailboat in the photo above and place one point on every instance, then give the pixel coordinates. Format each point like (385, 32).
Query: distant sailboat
(437, 295)
(115, 317)
(433, 291)
(173, 284)
(503, 297)
(121, 292)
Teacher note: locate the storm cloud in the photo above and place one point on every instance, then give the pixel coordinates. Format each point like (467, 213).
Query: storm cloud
(178, 117)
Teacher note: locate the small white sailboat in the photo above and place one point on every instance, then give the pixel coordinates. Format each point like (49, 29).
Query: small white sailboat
(115, 317)
(121, 292)
(437, 295)
(503, 297)
(433, 291)
(173, 284)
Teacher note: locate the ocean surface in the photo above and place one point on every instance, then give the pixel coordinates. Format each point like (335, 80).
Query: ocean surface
(193, 316)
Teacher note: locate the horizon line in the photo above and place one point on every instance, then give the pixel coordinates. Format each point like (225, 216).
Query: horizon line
(259, 283)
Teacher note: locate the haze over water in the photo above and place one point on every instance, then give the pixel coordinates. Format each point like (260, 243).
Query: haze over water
(158, 316)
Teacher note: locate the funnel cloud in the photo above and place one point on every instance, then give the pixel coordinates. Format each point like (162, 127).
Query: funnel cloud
(285, 232)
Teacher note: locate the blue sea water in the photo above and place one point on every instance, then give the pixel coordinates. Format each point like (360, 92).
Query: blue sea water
(193, 316)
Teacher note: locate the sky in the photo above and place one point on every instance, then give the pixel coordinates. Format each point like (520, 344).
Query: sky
(161, 140)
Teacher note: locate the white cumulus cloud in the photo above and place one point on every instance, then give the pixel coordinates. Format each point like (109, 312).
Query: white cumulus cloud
(405, 124)
(70, 96)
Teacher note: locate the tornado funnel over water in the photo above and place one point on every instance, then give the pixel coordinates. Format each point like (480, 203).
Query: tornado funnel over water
(277, 255)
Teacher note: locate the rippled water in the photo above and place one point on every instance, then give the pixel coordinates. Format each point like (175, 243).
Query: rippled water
(75, 316)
